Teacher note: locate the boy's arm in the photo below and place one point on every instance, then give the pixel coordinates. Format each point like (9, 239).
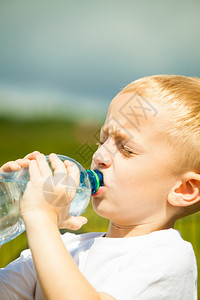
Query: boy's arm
(58, 274)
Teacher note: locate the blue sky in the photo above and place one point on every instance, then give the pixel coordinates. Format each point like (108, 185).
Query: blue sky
(73, 57)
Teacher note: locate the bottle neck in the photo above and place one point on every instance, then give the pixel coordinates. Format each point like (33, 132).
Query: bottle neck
(96, 180)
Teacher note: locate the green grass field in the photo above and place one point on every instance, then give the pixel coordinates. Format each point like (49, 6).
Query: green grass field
(76, 140)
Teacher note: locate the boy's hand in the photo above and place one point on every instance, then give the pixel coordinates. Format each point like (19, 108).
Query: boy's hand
(19, 163)
(50, 195)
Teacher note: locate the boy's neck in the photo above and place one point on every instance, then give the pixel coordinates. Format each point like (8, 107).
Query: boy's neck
(121, 231)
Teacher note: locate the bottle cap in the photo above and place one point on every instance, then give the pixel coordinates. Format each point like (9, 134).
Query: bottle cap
(96, 180)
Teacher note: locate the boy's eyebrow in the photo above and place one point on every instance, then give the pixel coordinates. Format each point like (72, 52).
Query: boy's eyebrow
(113, 131)
(118, 132)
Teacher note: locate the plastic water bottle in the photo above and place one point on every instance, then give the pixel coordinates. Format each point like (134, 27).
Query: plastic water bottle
(13, 185)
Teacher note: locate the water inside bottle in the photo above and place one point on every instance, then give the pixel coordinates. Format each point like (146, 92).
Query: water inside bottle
(80, 201)
(10, 222)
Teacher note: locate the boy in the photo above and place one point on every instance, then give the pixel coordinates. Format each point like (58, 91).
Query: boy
(149, 156)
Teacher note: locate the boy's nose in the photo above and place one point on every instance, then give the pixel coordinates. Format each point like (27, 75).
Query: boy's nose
(101, 158)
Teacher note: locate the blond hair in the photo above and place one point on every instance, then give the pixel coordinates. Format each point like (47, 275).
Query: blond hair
(180, 95)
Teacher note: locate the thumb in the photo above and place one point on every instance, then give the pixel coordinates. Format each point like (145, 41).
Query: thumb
(73, 223)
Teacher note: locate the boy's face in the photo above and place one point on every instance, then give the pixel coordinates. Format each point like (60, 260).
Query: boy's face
(134, 158)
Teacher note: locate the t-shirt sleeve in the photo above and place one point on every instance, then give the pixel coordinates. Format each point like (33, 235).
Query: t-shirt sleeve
(18, 279)
(157, 273)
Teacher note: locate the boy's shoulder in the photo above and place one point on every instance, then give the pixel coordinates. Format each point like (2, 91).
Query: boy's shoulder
(166, 254)
(169, 245)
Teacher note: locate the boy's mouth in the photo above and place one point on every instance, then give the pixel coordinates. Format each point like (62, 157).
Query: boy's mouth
(100, 191)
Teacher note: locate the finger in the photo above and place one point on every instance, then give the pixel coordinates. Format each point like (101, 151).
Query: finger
(57, 164)
(43, 165)
(73, 223)
(73, 171)
(23, 162)
(34, 170)
(10, 166)
(32, 155)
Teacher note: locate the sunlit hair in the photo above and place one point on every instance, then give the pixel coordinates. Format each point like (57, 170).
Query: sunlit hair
(180, 96)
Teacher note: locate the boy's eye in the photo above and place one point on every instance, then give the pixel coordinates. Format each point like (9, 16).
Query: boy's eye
(125, 150)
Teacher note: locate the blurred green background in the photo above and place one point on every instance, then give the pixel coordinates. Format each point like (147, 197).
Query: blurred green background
(76, 140)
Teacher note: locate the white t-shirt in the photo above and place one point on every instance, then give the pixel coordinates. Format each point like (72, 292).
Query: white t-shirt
(159, 265)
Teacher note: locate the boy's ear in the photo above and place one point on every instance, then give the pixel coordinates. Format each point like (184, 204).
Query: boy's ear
(187, 190)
